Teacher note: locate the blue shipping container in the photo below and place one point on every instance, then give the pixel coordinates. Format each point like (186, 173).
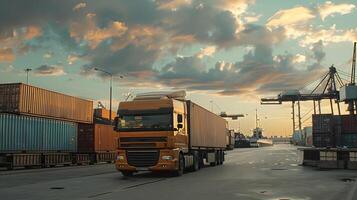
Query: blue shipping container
(33, 134)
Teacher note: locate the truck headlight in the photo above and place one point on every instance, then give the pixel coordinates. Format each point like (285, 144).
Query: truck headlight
(166, 157)
(120, 157)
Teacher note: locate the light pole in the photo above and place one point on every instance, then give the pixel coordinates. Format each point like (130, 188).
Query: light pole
(27, 74)
(110, 90)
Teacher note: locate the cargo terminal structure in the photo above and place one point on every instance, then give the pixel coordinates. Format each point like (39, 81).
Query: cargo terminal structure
(44, 128)
(166, 132)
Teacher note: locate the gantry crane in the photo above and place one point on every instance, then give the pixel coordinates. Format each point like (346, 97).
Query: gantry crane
(328, 84)
(349, 91)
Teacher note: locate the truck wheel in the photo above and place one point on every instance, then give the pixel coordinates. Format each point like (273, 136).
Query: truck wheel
(200, 160)
(196, 161)
(220, 157)
(181, 167)
(215, 162)
(127, 173)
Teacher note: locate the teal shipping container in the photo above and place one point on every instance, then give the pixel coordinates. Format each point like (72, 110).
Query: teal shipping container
(349, 140)
(20, 133)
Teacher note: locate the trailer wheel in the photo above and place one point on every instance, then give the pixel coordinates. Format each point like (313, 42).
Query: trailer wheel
(181, 167)
(127, 173)
(200, 160)
(196, 161)
(215, 162)
(221, 155)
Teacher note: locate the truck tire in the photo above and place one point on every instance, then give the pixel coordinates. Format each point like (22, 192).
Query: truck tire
(201, 161)
(181, 167)
(127, 173)
(223, 157)
(196, 161)
(215, 162)
(220, 162)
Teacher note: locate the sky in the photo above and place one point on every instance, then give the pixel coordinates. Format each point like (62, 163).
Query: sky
(227, 54)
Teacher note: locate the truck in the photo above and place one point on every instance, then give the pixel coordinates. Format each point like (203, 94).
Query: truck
(164, 132)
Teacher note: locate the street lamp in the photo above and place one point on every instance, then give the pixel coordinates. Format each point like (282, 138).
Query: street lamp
(110, 91)
(27, 70)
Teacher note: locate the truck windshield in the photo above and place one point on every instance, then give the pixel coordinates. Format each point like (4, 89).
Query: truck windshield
(145, 122)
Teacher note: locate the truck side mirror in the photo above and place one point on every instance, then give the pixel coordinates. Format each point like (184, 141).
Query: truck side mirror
(179, 126)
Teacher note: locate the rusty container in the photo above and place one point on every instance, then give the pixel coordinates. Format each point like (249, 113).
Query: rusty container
(349, 123)
(96, 138)
(206, 129)
(25, 99)
(103, 113)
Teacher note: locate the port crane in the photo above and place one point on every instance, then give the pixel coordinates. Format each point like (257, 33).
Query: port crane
(328, 86)
(349, 91)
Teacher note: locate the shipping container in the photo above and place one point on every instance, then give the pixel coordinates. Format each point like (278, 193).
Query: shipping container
(206, 129)
(103, 113)
(349, 140)
(323, 140)
(24, 99)
(349, 123)
(20, 133)
(323, 123)
(96, 138)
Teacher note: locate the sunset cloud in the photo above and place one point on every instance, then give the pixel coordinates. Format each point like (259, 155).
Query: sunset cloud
(293, 16)
(49, 70)
(329, 9)
(7, 55)
(224, 50)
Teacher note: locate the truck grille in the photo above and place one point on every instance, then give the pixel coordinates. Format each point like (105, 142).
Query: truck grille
(143, 139)
(142, 158)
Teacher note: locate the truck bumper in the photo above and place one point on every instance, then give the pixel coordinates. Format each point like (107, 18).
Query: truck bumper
(122, 164)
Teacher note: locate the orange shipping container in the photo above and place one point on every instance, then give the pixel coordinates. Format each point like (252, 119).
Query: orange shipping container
(103, 113)
(96, 138)
(24, 99)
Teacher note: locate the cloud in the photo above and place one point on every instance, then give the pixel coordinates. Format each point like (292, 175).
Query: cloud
(79, 6)
(94, 35)
(329, 9)
(298, 58)
(71, 59)
(49, 70)
(258, 73)
(293, 16)
(48, 55)
(172, 4)
(208, 51)
(141, 38)
(7, 55)
(297, 24)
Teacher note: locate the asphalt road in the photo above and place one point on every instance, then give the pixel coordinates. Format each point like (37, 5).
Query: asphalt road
(264, 173)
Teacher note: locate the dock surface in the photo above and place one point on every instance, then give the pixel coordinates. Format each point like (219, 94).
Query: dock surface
(254, 173)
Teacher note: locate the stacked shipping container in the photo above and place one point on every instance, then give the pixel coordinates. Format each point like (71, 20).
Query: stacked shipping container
(39, 124)
(331, 130)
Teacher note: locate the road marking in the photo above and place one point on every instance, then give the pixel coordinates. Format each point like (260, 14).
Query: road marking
(100, 194)
(141, 184)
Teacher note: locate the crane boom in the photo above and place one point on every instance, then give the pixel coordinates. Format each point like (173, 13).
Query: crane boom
(353, 73)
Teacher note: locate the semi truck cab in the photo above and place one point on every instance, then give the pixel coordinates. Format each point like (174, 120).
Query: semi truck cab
(154, 135)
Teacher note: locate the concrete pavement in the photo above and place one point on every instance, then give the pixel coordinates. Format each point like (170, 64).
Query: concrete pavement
(262, 173)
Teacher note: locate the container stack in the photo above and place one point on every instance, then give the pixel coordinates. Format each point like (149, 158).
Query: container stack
(334, 141)
(98, 140)
(38, 126)
(335, 131)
